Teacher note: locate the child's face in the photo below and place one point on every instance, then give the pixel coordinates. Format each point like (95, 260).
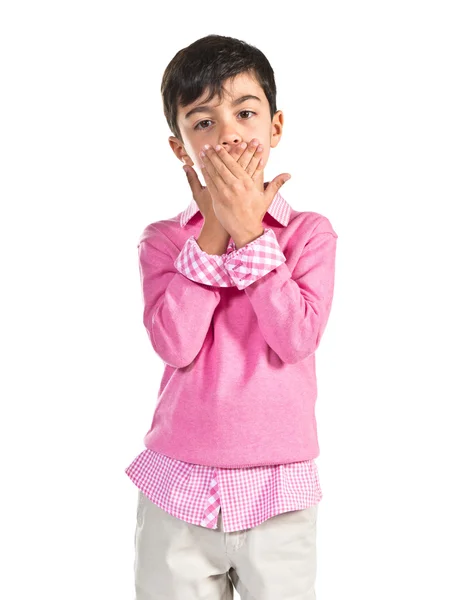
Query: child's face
(228, 124)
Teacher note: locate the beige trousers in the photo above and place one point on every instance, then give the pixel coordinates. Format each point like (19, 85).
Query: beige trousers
(176, 560)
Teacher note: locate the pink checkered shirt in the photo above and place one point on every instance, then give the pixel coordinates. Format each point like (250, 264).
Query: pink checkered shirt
(247, 496)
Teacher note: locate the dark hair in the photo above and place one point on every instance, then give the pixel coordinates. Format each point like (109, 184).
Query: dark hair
(207, 63)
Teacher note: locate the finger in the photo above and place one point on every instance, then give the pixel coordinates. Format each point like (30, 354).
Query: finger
(237, 152)
(209, 173)
(248, 153)
(258, 170)
(221, 165)
(255, 160)
(193, 180)
(229, 171)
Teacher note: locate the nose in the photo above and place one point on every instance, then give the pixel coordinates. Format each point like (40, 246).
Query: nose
(230, 145)
(229, 140)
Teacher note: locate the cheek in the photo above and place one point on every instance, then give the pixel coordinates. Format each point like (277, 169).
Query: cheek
(265, 155)
(195, 156)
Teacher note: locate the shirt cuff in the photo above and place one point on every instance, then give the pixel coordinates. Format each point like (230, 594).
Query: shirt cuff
(197, 265)
(254, 260)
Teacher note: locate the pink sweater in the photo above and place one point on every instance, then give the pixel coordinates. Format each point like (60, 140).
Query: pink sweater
(239, 383)
(197, 493)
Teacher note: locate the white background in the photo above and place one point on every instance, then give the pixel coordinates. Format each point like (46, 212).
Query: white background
(366, 91)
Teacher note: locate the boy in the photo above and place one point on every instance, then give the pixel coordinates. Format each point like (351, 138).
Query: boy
(237, 291)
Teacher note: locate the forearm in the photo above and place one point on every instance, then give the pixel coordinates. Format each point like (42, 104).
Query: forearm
(213, 238)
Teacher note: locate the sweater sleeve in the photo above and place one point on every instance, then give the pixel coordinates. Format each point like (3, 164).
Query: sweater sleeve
(293, 308)
(177, 311)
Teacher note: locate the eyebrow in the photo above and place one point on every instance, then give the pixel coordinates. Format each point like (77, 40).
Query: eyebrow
(207, 107)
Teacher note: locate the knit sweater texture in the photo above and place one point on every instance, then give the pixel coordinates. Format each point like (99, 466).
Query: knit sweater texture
(239, 384)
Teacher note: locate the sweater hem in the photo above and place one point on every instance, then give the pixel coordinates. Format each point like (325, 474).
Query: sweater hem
(237, 465)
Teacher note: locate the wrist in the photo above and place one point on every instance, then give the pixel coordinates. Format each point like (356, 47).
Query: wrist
(243, 240)
(213, 237)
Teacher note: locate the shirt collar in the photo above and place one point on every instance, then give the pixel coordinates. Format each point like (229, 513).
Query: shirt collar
(279, 209)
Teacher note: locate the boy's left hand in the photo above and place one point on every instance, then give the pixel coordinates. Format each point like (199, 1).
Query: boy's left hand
(236, 201)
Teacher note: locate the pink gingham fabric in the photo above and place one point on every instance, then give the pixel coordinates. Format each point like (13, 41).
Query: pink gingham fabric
(247, 496)
(237, 267)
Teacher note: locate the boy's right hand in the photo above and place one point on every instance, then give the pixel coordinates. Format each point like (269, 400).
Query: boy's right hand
(248, 158)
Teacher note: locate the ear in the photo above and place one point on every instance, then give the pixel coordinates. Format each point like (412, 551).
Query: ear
(277, 128)
(180, 152)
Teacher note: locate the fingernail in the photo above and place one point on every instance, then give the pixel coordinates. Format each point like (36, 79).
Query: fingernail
(243, 146)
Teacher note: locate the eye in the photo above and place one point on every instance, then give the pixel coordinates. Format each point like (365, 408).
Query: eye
(248, 111)
(197, 126)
